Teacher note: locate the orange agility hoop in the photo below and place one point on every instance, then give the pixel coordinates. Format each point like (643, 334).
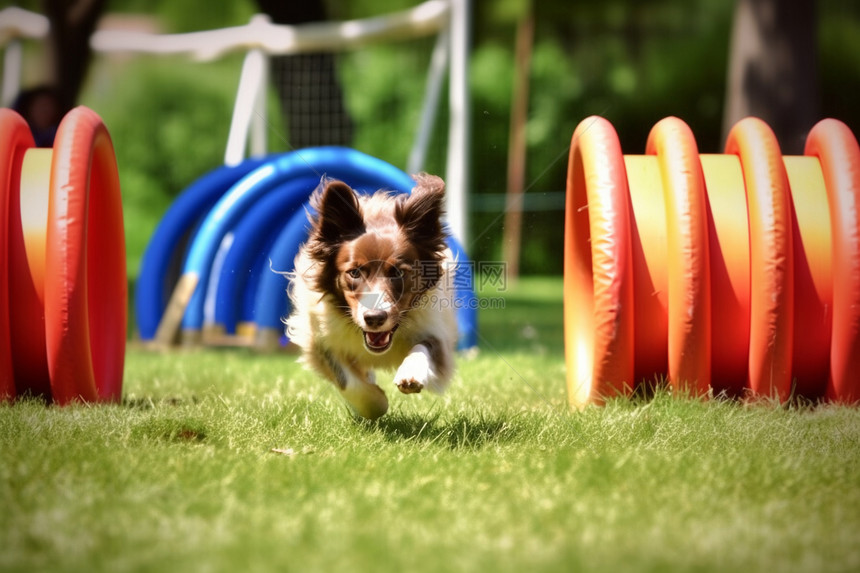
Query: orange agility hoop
(744, 267)
(598, 282)
(836, 148)
(771, 256)
(689, 311)
(67, 288)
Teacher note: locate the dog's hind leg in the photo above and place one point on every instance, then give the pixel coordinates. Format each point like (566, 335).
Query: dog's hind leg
(358, 387)
(363, 395)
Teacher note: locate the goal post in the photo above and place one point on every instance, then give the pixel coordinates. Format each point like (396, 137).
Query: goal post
(448, 20)
(260, 39)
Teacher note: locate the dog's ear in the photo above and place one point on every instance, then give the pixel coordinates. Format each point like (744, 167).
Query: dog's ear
(419, 214)
(338, 216)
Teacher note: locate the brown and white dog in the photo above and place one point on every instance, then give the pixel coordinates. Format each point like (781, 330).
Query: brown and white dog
(370, 292)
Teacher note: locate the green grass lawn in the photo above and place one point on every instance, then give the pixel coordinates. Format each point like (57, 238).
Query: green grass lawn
(232, 461)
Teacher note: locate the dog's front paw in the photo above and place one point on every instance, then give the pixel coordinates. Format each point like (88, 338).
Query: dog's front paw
(409, 386)
(414, 373)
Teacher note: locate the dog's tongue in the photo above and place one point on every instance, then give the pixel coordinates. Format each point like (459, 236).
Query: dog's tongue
(377, 339)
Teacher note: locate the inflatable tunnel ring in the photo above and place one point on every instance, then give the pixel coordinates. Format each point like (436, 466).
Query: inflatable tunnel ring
(68, 286)
(15, 139)
(598, 285)
(839, 154)
(689, 307)
(771, 257)
(744, 267)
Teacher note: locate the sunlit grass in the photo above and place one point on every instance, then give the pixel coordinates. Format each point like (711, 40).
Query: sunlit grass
(233, 461)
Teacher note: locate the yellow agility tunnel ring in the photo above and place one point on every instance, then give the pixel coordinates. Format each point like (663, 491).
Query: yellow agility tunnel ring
(734, 273)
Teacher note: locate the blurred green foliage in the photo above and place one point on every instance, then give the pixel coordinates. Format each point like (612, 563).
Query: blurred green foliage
(169, 123)
(632, 62)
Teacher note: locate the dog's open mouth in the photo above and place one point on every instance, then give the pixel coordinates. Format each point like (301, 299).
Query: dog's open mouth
(378, 342)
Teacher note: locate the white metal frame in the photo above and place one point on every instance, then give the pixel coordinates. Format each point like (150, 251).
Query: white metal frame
(260, 39)
(17, 25)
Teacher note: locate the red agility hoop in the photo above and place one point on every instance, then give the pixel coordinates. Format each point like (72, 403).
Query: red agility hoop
(15, 139)
(67, 285)
(86, 292)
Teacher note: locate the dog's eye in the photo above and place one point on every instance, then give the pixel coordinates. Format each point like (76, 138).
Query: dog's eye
(396, 273)
(354, 273)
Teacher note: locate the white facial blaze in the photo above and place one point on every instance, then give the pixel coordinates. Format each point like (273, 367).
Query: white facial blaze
(373, 301)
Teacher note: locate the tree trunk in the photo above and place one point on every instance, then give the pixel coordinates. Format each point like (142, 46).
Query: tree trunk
(512, 239)
(772, 69)
(72, 24)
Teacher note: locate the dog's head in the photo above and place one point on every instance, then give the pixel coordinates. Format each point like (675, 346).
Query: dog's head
(377, 255)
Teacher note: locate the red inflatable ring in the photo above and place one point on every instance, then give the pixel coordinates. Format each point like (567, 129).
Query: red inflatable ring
(15, 139)
(86, 292)
(67, 292)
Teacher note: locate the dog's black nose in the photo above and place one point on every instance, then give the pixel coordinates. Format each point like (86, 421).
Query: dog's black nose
(375, 318)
